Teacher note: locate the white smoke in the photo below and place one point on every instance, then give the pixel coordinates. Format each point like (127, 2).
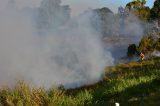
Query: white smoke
(120, 32)
(69, 54)
(155, 54)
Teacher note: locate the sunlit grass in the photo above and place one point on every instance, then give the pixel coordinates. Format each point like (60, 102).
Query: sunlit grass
(131, 84)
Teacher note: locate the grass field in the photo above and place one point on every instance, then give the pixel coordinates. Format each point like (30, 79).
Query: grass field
(132, 84)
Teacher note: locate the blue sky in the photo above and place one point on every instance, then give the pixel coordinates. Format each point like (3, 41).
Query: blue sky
(117, 3)
(122, 2)
(78, 6)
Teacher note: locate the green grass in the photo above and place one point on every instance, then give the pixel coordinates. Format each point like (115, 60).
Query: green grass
(132, 84)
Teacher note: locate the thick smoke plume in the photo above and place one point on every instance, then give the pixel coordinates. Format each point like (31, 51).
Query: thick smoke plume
(44, 47)
(119, 32)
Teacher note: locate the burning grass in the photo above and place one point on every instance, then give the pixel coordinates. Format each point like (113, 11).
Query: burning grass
(131, 84)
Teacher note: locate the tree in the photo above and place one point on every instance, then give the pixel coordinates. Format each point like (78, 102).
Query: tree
(155, 11)
(132, 50)
(136, 4)
(144, 13)
(147, 44)
(143, 2)
(108, 22)
(52, 14)
(138, 8)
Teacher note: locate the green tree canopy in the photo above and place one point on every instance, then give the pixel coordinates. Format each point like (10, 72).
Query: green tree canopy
(136, 4)
(138, 8)
(52, 14)
(155, 11)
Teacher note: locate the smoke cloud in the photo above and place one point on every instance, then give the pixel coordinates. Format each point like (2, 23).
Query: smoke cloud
(45, 47)
(119, 33)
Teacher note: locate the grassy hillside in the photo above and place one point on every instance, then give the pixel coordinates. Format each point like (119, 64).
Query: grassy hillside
(132, 84)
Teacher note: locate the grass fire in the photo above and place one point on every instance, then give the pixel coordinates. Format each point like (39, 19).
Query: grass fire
(79, 53)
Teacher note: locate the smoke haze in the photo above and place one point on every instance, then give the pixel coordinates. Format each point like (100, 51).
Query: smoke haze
(44, 46)
(62, 52)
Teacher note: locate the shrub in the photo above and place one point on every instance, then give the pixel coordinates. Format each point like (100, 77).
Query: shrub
(146, 44)
(132, 50)
(157, 45)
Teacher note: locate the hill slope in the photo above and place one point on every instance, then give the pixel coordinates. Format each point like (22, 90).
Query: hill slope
(132, 84)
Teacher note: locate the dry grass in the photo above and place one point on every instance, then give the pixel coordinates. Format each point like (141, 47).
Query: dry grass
(131, 84)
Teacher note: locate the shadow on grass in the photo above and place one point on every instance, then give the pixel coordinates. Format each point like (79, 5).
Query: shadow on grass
(145, 94)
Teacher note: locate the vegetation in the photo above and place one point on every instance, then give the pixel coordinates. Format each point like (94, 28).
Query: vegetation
(144, 12)
(151, 42)
(139, 9)
(131, 84)
(157, 45)
(132, 50)
(148, 44)
(155, 11)
(52, 14)
(108, 22)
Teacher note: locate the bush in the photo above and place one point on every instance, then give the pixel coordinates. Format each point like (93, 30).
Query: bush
(147, 44)
(157, 45)
(155, 13)
(132, 50)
